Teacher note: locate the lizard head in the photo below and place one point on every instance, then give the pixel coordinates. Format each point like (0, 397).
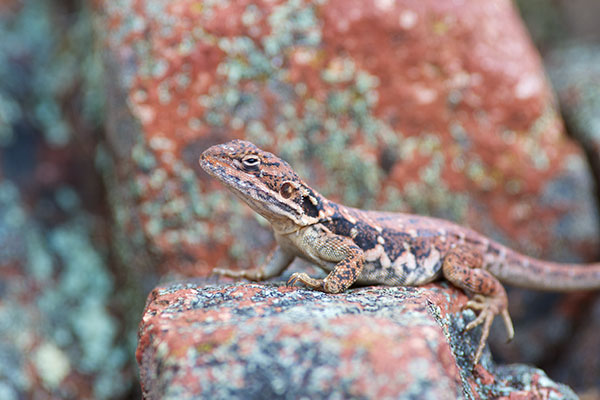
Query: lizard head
(263, 181)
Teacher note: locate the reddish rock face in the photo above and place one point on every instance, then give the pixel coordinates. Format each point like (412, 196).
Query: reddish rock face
(262, 341)
(434, 107)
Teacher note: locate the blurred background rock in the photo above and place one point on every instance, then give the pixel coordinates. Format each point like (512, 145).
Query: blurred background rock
(101, 123)
(67, 315)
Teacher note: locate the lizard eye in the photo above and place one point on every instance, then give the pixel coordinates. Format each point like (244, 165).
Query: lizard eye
(251, 161)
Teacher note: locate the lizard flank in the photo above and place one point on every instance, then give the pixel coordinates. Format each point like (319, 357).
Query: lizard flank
(369, 247)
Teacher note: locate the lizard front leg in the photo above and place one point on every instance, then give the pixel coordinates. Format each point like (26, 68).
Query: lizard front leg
(332, 248)
(462, 266)
(277, 261)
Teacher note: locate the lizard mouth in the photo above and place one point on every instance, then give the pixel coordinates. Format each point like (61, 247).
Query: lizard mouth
(208, 164)
(218, 167)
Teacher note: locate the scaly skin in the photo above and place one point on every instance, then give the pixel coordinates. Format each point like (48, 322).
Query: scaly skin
(369, 247)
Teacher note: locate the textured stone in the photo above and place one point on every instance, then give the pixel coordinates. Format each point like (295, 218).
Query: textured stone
(58, 336)
(575, 73)
(439, 108)
(265, 341)
(578, 364)
(65, 331)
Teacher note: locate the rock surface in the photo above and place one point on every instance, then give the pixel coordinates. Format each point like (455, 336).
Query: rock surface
(59, 338)
(256, 341)
(441, 109)
(66, 325)
(575, 73)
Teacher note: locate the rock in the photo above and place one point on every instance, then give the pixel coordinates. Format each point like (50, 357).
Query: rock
(405, 106)
(66, 311)
(578, 364)
(269, 341)
(575, 72)
(439, 108)
(59, 337)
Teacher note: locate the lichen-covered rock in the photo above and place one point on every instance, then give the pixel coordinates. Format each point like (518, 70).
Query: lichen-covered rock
(578, 363)
(255, 341)
(439, 108)
(575, 73)
(59, 337)
(436, 107)
(66, 331)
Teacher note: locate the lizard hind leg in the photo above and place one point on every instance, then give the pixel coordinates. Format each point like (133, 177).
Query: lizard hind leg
(463, 267)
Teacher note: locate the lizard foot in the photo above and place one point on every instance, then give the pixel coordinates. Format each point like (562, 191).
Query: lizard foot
(304, 278)
(253, 274)
(488, 308)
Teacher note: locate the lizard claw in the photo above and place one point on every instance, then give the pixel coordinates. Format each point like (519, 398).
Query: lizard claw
(477, 303)
(305, 279)
(488, 308)
(293, 279)
(510, 330)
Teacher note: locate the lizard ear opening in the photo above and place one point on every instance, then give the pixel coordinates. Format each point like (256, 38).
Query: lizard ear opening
(286, 190)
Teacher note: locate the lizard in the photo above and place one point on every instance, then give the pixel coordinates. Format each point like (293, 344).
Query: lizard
(379, 248)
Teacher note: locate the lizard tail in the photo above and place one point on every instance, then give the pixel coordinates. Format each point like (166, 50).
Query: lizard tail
(523, 271)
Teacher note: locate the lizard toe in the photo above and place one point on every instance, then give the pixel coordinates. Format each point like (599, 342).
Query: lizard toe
(488, 307)
(293, 279)
(510, 330)
(480, 319)
(488, 318)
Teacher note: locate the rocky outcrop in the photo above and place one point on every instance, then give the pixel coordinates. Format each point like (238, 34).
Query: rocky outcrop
(434, 107)
(575, 73)
(256, 341)
(440, 108)
(65, 311)
(437, 108)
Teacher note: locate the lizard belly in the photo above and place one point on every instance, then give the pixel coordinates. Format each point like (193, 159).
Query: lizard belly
(378, 269)
(405, 268)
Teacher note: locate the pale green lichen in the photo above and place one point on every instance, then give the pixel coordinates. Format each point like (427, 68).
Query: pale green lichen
(142, 156)
(7, 392)
(39, 261)
(52, 364)
(67, 325)
(9, 112)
